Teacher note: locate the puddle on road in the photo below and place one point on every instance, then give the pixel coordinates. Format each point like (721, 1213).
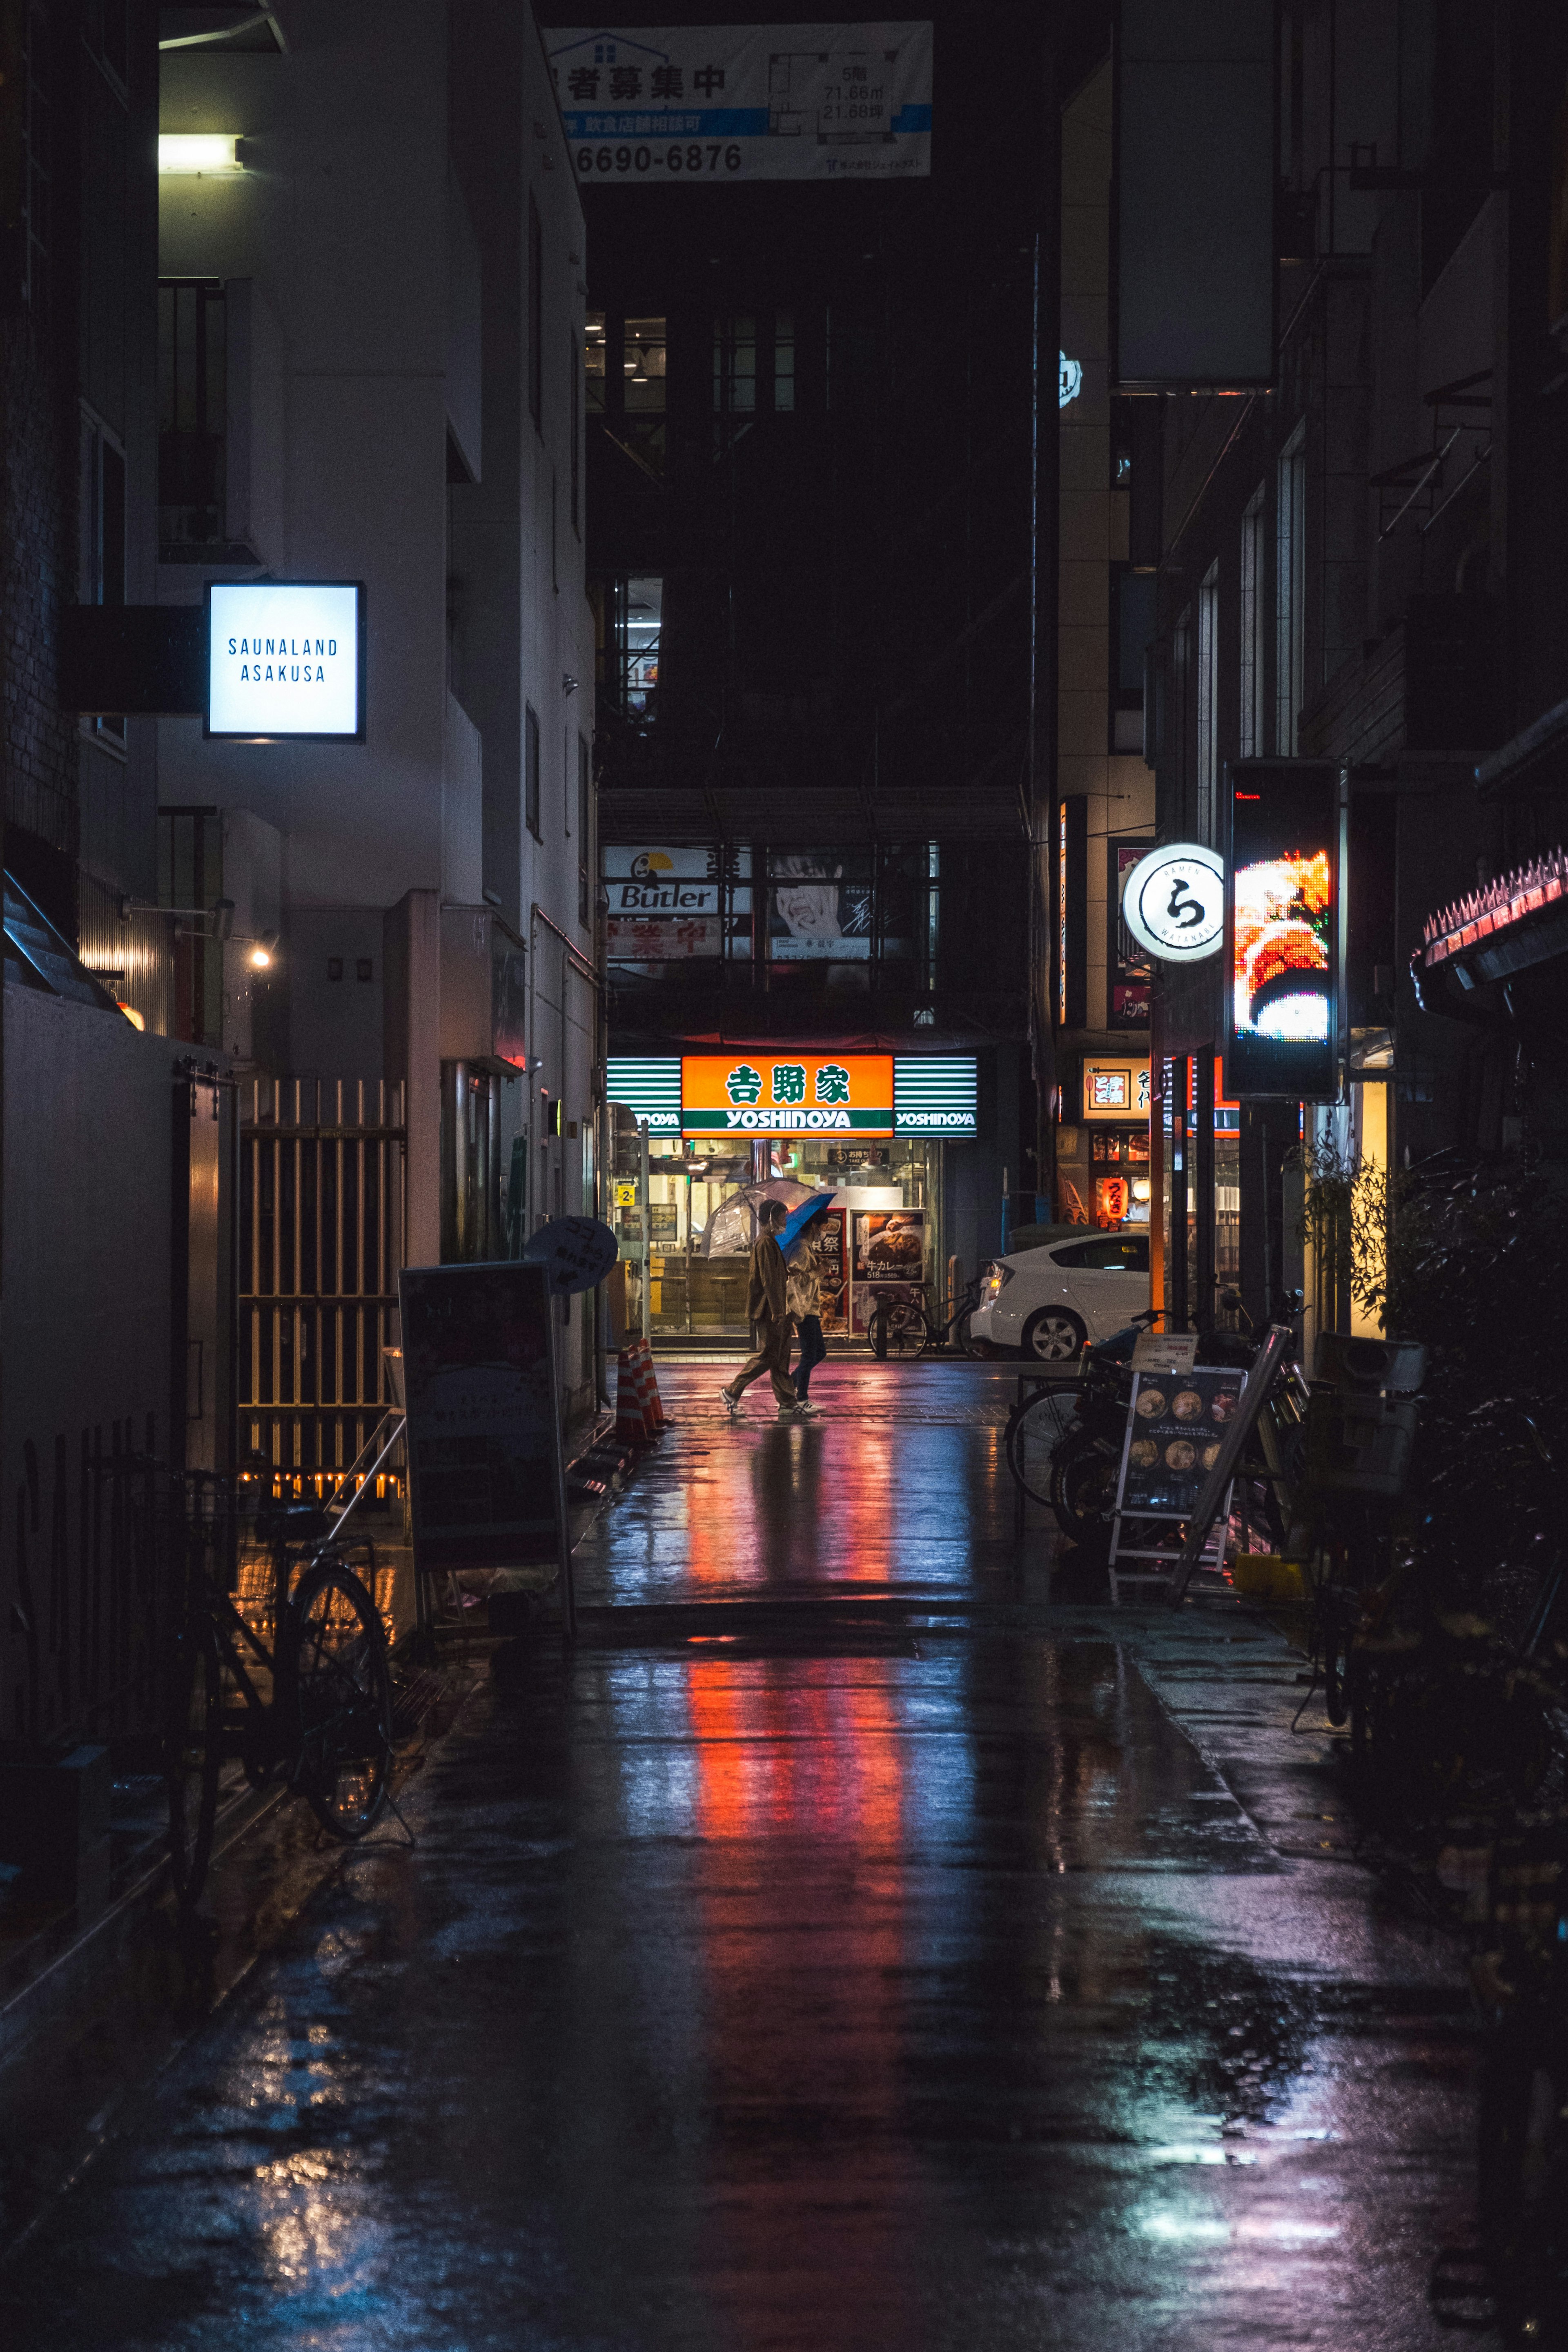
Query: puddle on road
(843, 1999)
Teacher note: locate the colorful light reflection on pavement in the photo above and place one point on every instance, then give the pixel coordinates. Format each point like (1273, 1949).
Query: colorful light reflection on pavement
(813, 1978)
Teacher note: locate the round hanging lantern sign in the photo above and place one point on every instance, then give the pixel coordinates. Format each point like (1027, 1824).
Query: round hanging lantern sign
(1173, 904)
(576, 1252)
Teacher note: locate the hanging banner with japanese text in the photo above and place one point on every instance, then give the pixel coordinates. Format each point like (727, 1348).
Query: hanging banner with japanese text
(745, 102)
(806, 1092)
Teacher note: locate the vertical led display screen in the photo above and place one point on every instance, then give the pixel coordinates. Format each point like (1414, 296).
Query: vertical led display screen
(1281, 926)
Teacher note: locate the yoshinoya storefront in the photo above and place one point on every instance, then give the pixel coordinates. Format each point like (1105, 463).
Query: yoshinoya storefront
(728, 1129)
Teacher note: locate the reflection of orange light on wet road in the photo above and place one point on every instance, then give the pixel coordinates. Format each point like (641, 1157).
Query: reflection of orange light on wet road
(787, 1746)
(869, 1500)
(801, 1502)
(712, 1539)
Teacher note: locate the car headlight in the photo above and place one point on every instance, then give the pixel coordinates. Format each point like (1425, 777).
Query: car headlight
(997, 1277)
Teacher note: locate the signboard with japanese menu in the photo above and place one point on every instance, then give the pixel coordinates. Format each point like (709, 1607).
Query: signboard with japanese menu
(484, 1426)
(825, 1240)
(800, 1093)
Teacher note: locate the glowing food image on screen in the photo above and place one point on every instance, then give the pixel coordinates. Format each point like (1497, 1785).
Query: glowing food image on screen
(1283, 966)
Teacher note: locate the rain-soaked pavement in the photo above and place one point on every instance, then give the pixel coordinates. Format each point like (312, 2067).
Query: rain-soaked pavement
(841, 1948)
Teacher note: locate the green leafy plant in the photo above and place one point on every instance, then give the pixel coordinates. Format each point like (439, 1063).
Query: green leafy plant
(1469, 1261)
(1477, 1271)
(1349, 1205)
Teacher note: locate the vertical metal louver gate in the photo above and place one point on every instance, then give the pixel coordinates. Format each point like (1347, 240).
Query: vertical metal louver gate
(320, 1242)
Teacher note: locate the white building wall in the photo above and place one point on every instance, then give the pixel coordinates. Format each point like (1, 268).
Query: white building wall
(380, 227)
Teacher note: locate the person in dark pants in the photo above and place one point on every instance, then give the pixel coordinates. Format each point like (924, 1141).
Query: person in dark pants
(804, 1292)
(767, 1306)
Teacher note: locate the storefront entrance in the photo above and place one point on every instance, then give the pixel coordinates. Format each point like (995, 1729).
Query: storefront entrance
(878, 1239)
(718, 1133)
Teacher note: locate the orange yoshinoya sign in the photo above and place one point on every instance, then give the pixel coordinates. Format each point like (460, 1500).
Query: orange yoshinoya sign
(786, 1091)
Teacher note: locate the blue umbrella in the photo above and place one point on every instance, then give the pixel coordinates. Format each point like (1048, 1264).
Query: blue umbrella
(796, 1223)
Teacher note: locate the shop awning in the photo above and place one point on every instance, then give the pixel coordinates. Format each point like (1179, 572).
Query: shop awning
(1508, 925)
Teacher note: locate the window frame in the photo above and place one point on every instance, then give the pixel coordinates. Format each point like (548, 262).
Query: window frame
(575, 412)
(584, 831)
(1074, 1257)
(1252, 706)
(531, 809)
(1208, 698)
(535, 314)
(96, 540)
(1291, 592)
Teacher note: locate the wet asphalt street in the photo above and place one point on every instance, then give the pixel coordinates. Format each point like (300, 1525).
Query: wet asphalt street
(842, 1949)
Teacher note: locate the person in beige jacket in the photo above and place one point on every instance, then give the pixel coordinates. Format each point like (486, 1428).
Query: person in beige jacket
(804, 1297)
(767, 1306)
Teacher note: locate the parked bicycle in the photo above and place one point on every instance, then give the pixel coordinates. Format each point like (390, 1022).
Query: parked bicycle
(1064, 1443)
(903, 1326)
(310, 1708)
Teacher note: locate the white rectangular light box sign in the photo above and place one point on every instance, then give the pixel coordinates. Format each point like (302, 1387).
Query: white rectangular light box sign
(286, 659)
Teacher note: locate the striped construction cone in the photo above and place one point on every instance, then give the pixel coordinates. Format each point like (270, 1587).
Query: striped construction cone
(631, 1414)
(652, 1401)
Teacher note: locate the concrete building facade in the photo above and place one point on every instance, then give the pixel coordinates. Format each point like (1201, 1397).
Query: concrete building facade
(394, 269)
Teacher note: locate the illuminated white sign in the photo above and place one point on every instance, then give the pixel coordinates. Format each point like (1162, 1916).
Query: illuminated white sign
(199, 153)
(1069, 378)
(1173, 903)
(286, 659)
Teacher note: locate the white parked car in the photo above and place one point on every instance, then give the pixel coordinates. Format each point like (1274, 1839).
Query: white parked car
(1049, 1300)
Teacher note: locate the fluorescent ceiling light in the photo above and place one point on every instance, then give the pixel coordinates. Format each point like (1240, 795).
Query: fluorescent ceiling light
(207, 151)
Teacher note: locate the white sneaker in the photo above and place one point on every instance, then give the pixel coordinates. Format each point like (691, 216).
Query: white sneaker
(790, 1412)
(805, 1406)
(733, 1405)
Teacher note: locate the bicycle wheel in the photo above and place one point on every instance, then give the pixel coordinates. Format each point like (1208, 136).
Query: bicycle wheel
(1083, 1487)
(193, 1756)
(334, 1679)
(1335, 1633)
(1035, 1429)
(900, 1331)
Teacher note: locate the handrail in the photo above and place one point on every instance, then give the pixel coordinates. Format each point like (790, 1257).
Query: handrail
(537, 915)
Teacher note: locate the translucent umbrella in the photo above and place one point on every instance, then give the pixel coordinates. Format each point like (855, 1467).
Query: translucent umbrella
(732, 1227)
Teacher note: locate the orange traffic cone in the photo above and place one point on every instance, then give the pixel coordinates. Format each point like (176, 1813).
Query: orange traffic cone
(652, 1402)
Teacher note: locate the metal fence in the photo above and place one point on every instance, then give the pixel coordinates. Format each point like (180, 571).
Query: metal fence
(320, 1242)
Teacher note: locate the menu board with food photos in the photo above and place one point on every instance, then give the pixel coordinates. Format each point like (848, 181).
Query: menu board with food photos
(1174, 1426)
(889, 1244)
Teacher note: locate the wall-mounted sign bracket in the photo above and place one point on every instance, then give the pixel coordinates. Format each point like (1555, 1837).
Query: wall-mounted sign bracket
(139, 661)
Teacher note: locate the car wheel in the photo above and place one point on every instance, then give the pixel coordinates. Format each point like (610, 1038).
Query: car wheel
(1053, 1335)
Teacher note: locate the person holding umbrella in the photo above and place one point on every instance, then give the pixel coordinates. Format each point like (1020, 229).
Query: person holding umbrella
(804, 1292)
(767, 1308)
